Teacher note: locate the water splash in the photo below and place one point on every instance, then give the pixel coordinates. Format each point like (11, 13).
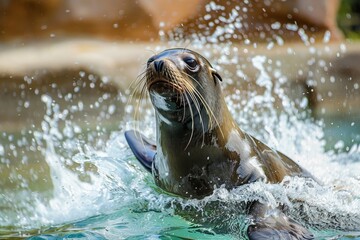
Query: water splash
(117, 183)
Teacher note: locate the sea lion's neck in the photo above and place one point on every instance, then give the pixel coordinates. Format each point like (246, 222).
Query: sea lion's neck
(184, 155)
(200, 129)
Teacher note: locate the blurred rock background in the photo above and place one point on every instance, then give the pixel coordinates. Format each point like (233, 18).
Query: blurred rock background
(317, 42)
(142, 19)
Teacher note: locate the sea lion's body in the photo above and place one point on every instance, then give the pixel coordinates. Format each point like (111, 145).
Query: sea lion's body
(199, 146)
(224, 156)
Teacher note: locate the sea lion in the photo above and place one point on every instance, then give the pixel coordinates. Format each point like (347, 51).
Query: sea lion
(199, 146)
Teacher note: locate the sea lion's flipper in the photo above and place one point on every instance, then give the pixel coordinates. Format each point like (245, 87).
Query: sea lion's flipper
(271, 223)
(143, 148)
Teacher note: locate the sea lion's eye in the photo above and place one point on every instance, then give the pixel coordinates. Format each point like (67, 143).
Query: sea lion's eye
(191, 62)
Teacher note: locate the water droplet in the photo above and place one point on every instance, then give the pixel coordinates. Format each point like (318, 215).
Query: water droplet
(291, 27)
(270, 45)
(82, 74)
(2, 150)
(343, 48)
(26, 104)
(276, 25)
(105, 79)
(207, 17)
(111, 109)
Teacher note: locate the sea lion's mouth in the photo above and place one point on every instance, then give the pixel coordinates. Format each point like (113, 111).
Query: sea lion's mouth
(165, 95)
(165, 89)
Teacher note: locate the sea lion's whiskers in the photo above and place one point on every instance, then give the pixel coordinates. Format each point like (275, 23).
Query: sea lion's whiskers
(187, 93)
(189, 89)
(198, 108)
(152, 51)
(209, 111)
(180, 84)
(182, 95)
(140, 88)
(184, 108)
(139, 85)
(194, 79)
(135, 87)
(139, 80)
(143, 93)
(192, 122)
(177, 81)
(207, 107)
(203, 101)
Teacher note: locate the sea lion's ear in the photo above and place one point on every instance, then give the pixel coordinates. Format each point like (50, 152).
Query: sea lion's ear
(215, 75)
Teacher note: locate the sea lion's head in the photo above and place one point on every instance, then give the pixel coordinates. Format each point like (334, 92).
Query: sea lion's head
(182, 85)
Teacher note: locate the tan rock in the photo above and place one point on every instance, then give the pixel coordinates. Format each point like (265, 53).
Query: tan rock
(141, 20)
(167, 13)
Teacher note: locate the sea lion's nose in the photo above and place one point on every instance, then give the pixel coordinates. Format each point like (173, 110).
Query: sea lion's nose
(158, 65)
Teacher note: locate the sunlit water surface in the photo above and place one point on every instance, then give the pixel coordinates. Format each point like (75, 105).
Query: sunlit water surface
(89, 185)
